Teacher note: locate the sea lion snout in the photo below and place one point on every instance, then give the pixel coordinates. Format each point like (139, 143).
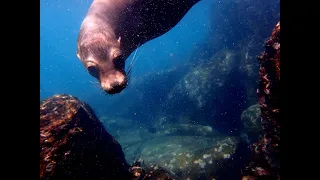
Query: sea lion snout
(114, 83)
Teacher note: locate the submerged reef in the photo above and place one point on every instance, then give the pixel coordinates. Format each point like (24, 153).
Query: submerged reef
(204, 81)
(252, 128)
(213, 91)
(189, 157)
(185, 150)
(266, 160)
(75, 145)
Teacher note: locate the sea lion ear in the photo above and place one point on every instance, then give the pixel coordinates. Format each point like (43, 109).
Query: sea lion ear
(78, 54)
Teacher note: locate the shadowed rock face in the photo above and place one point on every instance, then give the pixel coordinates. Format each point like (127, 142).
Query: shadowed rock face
(186, 151)
(266, 162)
(252, 129)
(189, 156)
(74, 143)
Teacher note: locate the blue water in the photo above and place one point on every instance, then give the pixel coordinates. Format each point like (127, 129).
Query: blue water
(209, 28)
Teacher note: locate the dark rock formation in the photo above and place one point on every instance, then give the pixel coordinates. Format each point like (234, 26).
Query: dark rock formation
(183, 150)
(266, 162)
(185, 130)
(142, 172)
(213, 93)
(240, 26)
(191, 157)
(74, 144)
(251, 120)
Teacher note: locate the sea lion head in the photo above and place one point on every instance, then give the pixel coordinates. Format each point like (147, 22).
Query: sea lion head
(103, 60)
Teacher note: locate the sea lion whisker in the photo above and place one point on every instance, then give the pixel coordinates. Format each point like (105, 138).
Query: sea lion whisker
(129, 70)
(134, 59)
(134, 55)
(92, 83)
(102, 90)
(128, 79)
(140, 52)
(96, 84)
(106, 94)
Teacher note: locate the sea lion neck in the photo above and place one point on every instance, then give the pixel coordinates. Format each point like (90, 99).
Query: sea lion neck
(108, 11)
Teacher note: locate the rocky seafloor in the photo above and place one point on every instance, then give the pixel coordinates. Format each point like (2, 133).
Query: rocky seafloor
(76, 144)
(186, 150)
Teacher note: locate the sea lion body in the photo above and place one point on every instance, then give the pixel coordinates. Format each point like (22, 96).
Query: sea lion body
(113, 29)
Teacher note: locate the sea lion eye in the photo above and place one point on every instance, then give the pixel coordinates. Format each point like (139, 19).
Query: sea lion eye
(93, 71)
(118, 62)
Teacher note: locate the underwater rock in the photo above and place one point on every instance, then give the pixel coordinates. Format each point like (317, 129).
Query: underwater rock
(184, 130)
(116, 123)
(126, 132)
(142, 172)
(117, 126)
(211, 92)
(74, 143)
(250, 118)
(188, 156)
(202, 82)
(134, 140)
(241, 25)
(243, 20)
(266, 161)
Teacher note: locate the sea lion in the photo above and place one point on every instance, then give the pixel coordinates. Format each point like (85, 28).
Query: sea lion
(113, 29)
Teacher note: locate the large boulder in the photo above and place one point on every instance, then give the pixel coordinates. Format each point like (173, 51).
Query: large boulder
(252, 128)
(241, 26)
(189, 156)
(184, 130)
(74, 143)
(211, 92)
(186, 151)
(202, 83)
